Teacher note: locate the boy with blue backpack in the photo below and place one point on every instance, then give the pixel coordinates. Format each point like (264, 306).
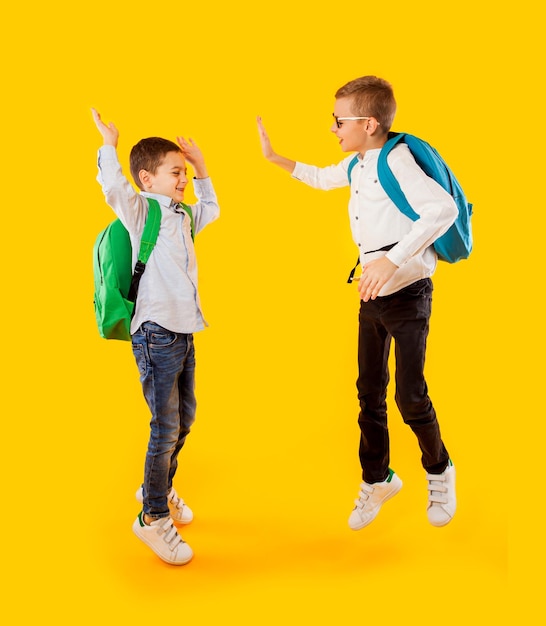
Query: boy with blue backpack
(167, 312)
(398, 258)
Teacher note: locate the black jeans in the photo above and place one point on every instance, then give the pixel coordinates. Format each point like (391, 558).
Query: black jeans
(403, 316)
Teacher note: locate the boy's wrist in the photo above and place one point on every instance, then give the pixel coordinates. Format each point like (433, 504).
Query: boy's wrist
(287, 164)
(277, 159)
(200, 171)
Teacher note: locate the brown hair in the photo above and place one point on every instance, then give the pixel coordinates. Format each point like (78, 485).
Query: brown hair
(371, 96)
(148, 154)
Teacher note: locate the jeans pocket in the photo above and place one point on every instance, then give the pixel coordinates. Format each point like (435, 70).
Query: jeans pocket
(161, 339)
(138, 351)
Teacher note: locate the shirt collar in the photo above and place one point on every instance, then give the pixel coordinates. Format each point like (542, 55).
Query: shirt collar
(369, 155)
(164, 201)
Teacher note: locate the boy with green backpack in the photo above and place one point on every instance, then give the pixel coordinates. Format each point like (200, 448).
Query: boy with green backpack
(166, 313)
(401, 207)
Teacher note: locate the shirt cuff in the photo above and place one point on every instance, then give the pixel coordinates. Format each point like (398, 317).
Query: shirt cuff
(202, 185)
(107, 153)
(397, 256)
(298, 172)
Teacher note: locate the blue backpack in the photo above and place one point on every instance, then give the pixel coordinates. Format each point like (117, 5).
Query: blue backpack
(456, 243)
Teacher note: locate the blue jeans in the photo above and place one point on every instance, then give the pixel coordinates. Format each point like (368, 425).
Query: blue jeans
(166, 362)
(403, 316)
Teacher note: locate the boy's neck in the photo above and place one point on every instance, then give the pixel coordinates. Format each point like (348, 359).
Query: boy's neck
(373, 143)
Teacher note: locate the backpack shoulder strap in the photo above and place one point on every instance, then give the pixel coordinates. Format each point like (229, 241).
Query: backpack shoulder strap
(151, 231)
(351, 166)
(388, 180)
(187, 209)
(147, 243)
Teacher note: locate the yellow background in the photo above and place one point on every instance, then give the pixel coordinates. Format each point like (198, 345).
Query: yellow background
(271, 468)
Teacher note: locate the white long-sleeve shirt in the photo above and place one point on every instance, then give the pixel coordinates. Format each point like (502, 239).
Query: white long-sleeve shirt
(167, 294)
(375, 220)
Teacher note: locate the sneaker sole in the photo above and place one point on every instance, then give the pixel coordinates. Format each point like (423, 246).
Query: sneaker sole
(439, 524)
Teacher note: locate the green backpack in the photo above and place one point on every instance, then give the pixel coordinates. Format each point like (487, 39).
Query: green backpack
(116, 285)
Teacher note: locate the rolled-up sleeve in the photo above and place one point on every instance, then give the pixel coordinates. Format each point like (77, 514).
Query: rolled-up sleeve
(206, 209)
(330, 177)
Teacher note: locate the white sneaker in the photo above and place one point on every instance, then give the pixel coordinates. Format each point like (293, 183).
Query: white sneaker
(180, 511)
(163, 538)
(370, 499)
(442, 501)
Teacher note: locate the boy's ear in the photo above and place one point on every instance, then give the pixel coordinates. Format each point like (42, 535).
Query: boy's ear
(373, 126)
(145, 178)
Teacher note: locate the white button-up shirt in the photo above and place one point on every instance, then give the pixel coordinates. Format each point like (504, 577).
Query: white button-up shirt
(167, 293)
(375, 220)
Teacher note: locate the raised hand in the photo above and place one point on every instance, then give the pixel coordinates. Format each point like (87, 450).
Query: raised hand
(269, 153)
(267, 150)
(110, 133)
(193, 155)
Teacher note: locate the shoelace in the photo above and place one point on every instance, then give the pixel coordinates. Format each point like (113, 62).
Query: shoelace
(170, 534)
(436, 489)
(363, 495)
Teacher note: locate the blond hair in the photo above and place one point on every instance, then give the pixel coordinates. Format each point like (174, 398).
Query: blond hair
(371, 96)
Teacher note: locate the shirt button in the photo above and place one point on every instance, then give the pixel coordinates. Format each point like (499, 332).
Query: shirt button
(356, 191)
(356, 217)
